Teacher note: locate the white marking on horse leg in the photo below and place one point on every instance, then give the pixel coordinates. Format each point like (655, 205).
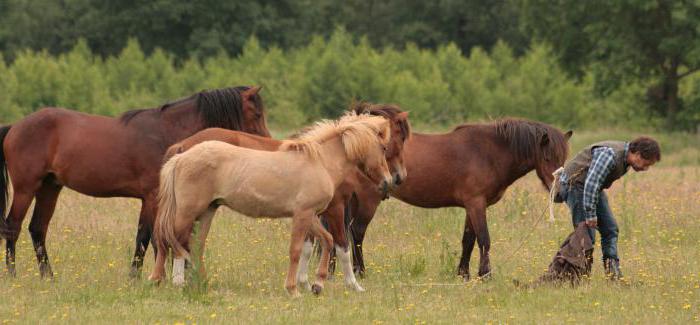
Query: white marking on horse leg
(303, 271)
(179, 271)
(343, 256)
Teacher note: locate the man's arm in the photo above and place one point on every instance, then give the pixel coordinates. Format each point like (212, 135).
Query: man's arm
(603, 160)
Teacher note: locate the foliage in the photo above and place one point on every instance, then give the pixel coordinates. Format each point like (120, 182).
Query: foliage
(654, 42)
(439, 87)
(206, 27)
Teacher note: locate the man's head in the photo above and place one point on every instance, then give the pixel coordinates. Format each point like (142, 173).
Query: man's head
(643, 153)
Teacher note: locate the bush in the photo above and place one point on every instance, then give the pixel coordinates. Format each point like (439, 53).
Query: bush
(439, 87)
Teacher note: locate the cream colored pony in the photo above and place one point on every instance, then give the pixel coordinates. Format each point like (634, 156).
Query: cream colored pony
(297, 181)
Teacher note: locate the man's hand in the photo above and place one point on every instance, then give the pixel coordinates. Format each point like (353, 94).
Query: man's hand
(592, 223)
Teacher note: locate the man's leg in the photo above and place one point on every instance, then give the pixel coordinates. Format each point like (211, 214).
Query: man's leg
(574, 199)
(608, 237)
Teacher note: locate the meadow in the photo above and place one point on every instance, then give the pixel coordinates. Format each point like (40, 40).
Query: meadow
(411, 255)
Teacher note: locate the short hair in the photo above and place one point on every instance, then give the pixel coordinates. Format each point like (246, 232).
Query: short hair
(647, 147)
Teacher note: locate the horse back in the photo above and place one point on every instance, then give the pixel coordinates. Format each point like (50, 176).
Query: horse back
(95, 155)
(448, 169)
(237, 138)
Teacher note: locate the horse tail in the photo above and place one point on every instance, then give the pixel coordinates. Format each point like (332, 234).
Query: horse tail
(4, 180)
(167, 210)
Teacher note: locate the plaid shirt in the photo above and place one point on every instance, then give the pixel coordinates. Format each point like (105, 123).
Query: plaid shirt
(602, 162)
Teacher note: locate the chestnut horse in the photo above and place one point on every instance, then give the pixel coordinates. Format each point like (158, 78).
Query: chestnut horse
(256, 183)
(470, 167)
(334, 214)
(106, 157)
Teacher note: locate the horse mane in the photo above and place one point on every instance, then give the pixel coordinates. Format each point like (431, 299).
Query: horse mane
(388, 111)
(525, 139)
(358, 132)
(222, 108)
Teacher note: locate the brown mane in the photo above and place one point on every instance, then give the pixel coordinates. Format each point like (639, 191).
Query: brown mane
(525, 139)
(388, 111)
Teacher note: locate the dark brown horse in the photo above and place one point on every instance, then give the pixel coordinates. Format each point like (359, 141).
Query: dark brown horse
(106, 157)
(470, 167)
(334, 214)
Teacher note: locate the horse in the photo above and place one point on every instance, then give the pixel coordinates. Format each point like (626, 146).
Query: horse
(106, 157)
(470, 167)
(256, 183)
(335, 212)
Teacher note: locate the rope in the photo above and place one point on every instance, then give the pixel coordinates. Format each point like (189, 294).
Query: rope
(554, 189)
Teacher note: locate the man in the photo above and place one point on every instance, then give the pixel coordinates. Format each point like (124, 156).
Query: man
(591, 171)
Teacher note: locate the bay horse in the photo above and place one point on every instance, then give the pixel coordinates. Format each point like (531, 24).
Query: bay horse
(106, 157)
(470, 167)
(334, 215)
(256, 183)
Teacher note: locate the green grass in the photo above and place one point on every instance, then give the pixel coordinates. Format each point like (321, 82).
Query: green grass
(411, 255)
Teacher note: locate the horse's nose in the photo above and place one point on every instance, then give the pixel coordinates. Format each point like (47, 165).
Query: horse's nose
(397, 179)
(384, 189)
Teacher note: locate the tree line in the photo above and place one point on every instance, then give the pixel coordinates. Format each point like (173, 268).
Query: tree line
(640, 54)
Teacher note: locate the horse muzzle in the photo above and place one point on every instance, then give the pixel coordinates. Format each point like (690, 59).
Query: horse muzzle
(384, 189)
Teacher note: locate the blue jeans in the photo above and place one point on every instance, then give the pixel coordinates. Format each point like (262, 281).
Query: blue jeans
(607, 226)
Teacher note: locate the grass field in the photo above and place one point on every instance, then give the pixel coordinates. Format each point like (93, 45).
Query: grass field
(412, 256)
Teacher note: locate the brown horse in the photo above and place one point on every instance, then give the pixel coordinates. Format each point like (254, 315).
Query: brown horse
(106, 157)
(335, 212)
(470, 167)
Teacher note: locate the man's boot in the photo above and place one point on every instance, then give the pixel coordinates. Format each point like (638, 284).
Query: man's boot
(612, 269)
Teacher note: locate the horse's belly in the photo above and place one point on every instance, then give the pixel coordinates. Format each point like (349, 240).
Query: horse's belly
(255, 206)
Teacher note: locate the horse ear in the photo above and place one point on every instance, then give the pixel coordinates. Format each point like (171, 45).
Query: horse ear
(403, 115)
(545, 140)
(251, 92)
(568, 134)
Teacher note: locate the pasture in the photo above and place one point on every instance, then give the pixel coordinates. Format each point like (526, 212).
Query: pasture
(411, 255)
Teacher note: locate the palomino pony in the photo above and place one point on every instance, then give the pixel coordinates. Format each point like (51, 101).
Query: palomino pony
(106, 157)
(470, 167)
(334, 215)
(257, 184)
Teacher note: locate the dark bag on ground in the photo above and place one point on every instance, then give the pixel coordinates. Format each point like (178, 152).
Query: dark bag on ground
(573, 260)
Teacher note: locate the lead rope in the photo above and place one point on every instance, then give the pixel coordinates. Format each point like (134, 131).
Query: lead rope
(553, 192)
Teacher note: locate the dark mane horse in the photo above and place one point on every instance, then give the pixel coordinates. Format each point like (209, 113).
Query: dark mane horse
(106, 157)
(470, 167)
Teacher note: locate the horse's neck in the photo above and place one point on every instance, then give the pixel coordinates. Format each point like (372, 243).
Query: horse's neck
(335, 160)
(518, 169)
(181, 120)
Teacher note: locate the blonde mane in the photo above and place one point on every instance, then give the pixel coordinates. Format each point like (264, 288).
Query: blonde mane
(358, 133)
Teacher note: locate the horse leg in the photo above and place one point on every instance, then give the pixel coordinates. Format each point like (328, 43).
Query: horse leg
(468, 241)
(335, 219)
(331, 263)
(477, 217)
(366, 206)
(303, 271)
(301, 223)
(149, 207)
(326, 245)
(44, 207)
(20, 204)
(205, 220)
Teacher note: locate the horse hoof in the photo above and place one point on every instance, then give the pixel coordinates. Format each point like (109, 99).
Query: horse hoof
(294, 293)
(179, 281)
(304, 284)
(316, 289)
(135, 273)
(485, 277)
(356, 286)
(155, 278)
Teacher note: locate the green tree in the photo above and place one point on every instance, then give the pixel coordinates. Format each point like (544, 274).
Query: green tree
(652, 41)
